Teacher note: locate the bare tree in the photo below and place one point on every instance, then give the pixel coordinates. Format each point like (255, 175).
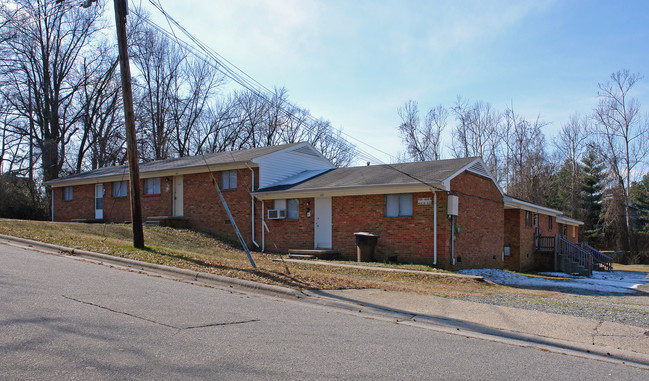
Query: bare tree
(477, 133)
(159, 62)
(623, 135)
(528, 167)
(570, 144)
(422, 141)
(192, 89)
(38, 70)
(100, 101)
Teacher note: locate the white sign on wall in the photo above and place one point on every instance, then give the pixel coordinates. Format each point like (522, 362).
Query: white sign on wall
(424, 201)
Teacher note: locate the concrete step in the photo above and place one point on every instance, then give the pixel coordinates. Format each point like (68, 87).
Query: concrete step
(301, 256)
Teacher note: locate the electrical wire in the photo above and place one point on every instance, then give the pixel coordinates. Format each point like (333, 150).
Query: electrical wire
(241, 77)
(248, 82)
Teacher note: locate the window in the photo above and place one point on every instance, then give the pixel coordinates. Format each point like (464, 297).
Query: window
(291, 206)
(152, 186)
(119, 189)
(549, 222)
(398, 205)
(67, 193)
(528, 219)
(229, 179)
(574, 232)
(292, 209)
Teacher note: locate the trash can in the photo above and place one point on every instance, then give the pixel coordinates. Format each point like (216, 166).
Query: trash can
(365, 245)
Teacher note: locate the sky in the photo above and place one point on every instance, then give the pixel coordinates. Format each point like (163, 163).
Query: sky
(355, 62)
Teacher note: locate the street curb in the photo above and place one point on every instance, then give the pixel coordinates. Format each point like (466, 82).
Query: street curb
(174, 271)
(315, 297)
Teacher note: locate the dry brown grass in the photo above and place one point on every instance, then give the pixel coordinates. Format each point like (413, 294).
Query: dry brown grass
(201, 252)
(641, 268)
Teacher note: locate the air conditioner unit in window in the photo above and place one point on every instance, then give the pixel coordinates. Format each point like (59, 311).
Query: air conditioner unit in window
(276, 214)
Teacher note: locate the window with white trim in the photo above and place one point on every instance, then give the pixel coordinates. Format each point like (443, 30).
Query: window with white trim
(291, 205)
(292, 209)
(152, 186)
(398, 205)
(67, 193)
(229, 179)
(120, 189)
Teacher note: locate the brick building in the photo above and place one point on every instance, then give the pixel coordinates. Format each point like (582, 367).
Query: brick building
(448, 213)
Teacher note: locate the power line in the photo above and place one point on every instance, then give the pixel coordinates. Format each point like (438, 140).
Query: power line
(241, 77)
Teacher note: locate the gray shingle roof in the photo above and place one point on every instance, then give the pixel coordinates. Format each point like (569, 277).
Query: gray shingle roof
(211, 159)
(431, 172)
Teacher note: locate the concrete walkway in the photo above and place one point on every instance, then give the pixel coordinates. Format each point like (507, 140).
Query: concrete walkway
(612, 339)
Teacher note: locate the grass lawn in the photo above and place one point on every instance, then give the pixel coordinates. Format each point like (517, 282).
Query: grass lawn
(202, 252)
(621, 267)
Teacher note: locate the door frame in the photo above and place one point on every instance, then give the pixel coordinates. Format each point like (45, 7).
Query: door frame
(326, 228)
(99, 212)
(178, 197)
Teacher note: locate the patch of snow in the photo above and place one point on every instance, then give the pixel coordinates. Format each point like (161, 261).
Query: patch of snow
(600, 281)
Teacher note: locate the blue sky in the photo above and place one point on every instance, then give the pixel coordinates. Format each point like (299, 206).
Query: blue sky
(356, 62)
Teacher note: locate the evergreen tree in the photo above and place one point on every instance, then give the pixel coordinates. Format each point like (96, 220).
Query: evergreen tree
(591, 194)
(640, 200)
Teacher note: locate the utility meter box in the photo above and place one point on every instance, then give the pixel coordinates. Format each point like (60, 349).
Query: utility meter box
(452, 206)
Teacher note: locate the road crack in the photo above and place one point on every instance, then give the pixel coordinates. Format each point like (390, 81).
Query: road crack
(157, 322)
(120, 312)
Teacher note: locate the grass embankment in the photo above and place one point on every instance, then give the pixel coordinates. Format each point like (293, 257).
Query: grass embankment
(201, 252)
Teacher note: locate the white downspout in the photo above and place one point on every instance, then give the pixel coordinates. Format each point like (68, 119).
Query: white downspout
(434, 226)
(435, 229)
(252, 204)
(263, 227)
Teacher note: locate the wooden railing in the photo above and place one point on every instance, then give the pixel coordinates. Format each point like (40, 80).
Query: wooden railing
(574, 258)
(599, 258)
(545, 243)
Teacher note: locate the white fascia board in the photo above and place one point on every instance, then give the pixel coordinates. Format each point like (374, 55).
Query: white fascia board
(347, 191)
(568, 221)
(150, 174)
(466, 168)
(512, 203)
(293, 148)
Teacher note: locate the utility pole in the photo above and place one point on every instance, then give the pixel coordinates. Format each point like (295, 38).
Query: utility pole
(121, 10)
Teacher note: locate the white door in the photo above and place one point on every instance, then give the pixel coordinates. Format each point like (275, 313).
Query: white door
(323, 223)
(99, 201)
(178, 196)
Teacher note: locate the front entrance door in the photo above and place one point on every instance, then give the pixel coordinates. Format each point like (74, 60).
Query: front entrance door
(178, 196)
(323, 223)
(99, 201)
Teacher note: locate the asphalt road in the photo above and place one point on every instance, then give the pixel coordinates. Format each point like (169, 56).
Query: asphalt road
(63, 318)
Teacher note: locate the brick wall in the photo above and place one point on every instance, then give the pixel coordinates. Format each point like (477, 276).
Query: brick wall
(410, 239)
(513, 218)
(285, 234)
(82, 204)
(117, 209)
(479, 225)
(205, 212)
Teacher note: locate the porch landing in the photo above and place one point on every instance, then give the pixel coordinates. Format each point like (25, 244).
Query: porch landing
(313, 253)
(170, 221)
